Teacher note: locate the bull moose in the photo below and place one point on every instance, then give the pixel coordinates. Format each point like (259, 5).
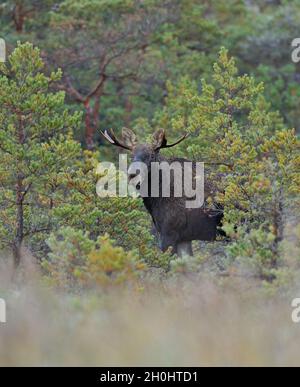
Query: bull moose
(175, 225)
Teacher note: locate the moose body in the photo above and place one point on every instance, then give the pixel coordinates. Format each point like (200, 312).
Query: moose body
(175, 224)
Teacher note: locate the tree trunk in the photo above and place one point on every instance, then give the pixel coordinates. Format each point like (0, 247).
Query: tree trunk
(128, 110)
(20, 193)
(278, 225)
(17, 255)
(18, 17)
(97, 108)
(89, 127)
(20, 221)
(92, 119)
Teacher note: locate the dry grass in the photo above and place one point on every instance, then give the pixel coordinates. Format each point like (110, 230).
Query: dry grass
(186, 322)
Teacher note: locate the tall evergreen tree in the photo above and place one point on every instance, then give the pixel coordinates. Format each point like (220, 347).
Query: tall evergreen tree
(36, 146)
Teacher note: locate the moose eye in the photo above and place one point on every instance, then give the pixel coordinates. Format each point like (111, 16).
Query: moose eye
(140, 157)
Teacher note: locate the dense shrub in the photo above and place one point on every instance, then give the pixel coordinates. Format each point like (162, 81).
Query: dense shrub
(76, 261)
(252, 157)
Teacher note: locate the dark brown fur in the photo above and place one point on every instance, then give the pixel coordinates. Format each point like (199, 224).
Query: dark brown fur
(176, 226)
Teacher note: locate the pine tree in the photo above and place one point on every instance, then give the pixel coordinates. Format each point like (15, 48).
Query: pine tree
(36, 146)
(253, 158)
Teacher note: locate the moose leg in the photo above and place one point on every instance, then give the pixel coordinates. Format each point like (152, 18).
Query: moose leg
(184, 248)
(154, 232)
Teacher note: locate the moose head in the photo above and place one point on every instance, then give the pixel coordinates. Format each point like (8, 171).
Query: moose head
(141, 152)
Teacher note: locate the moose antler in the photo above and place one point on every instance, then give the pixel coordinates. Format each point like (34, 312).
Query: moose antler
(160, 140)
(110, 137)
(177, 142)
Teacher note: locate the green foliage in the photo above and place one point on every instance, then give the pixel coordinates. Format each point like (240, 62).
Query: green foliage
(125, 62)
(36, 146)
(180, 38)
(47, 181)
(76, 261)
(123, 219)
(258, 177)
(273, 27)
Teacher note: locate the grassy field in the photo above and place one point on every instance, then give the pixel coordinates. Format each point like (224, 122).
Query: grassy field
(177, 321)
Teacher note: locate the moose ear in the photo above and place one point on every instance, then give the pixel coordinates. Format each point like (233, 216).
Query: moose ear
(129, 138)
(159, 139)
